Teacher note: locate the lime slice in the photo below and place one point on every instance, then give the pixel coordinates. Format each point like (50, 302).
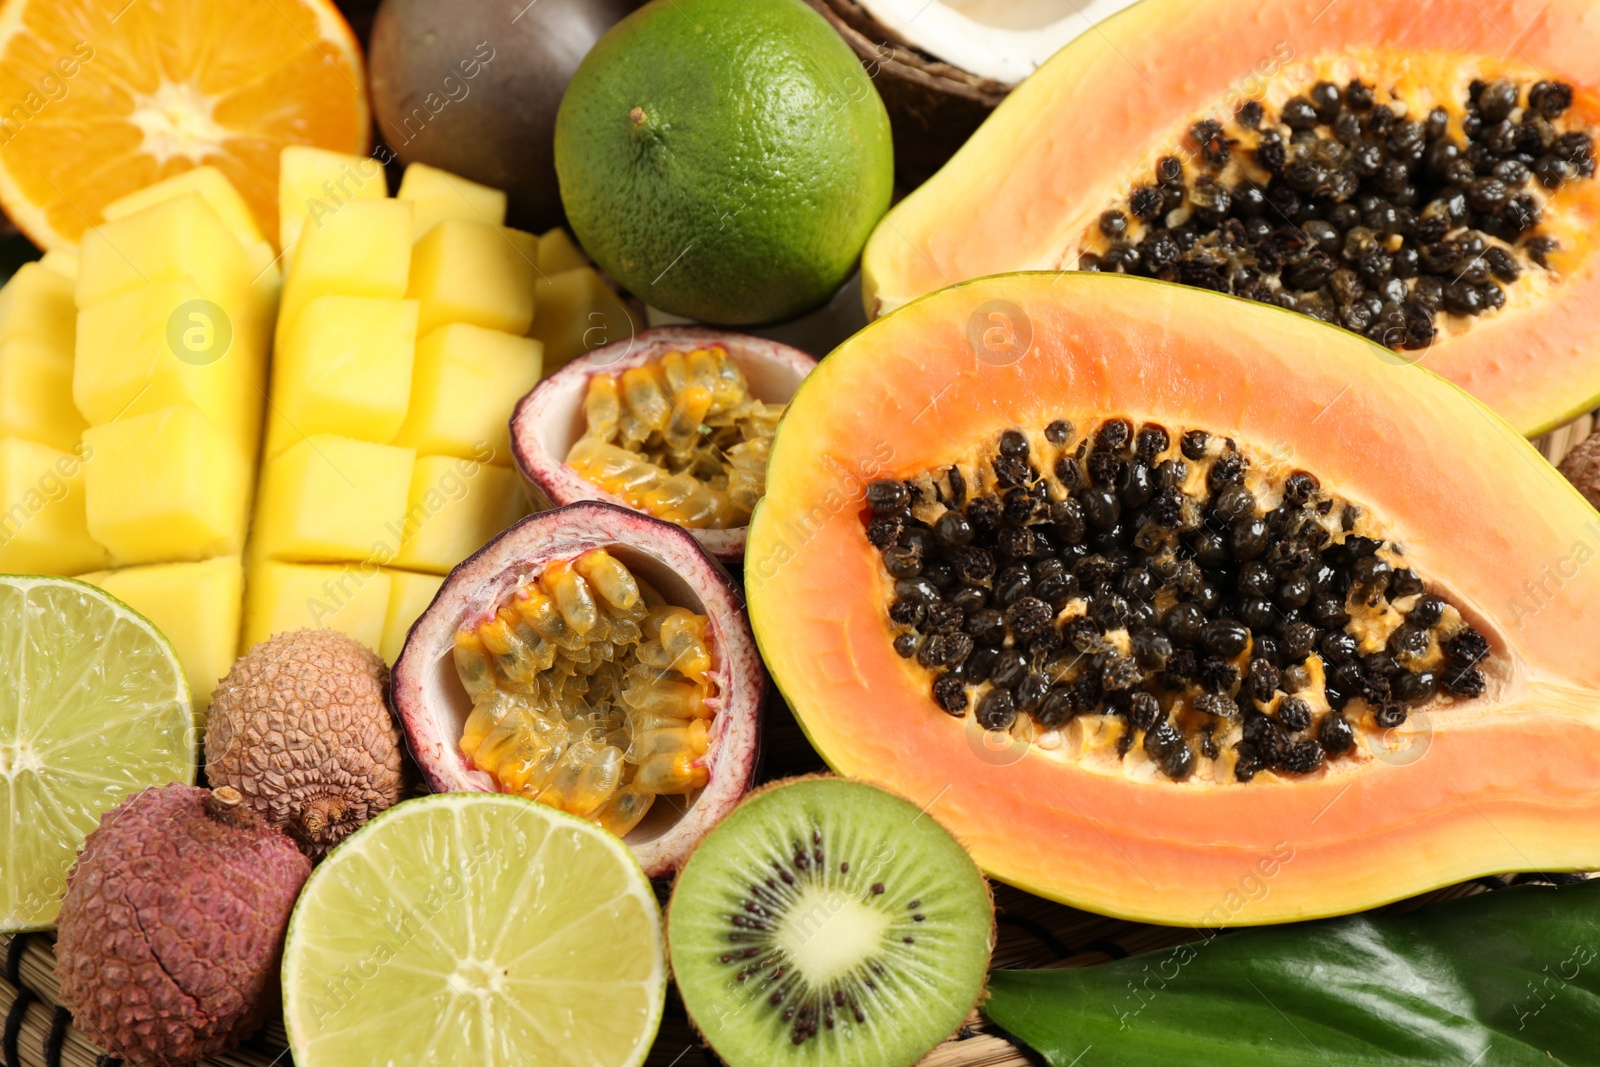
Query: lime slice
(93, 708)
(475, 928)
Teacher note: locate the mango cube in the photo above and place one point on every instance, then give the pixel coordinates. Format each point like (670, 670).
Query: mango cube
(577, 314)
(456, 505)
(210, 185)
(409, 596)
(558, 252)
(197, 606)
(328, 499)
(178, 237)
(313, 183)
(439, 195)
(164, 344)
(362, 249)
(526, 244)
(37, 303)
(42, 524)
(166, 486)
(471, 272)
(63, 262)
(466, 382)
(345, 368)
(282, 597)
(36, 394)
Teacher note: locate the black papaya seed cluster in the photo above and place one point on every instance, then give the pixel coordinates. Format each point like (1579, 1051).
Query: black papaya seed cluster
(1369, 217)
(1219, 610)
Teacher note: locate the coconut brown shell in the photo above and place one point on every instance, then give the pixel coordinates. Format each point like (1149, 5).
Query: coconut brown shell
(933, 106)
(172, 926)
(302, 728)
(1582, 468)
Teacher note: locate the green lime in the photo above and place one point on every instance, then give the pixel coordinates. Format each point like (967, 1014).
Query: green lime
(475, 928)
(93, 708)
(724, 159)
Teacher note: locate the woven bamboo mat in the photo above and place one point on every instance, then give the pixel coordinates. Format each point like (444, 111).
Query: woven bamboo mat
(38, 1032)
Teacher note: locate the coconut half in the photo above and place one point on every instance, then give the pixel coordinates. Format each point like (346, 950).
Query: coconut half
(433, 707)
(549, 420)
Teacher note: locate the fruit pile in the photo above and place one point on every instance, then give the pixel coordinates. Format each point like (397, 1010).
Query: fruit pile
(391, 608)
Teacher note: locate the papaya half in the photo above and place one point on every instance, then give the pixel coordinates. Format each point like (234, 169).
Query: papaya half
(1182, 608)
(1406, 171)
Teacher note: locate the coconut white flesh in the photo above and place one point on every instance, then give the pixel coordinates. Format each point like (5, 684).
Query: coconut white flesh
(1005, 40)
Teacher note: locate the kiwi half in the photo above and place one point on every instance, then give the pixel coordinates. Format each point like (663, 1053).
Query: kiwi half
(826, 921)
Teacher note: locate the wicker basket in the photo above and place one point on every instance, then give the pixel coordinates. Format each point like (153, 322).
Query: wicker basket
(38, 1031)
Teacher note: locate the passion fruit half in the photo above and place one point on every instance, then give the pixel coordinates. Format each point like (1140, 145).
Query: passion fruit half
(595, 659)
(675, 423)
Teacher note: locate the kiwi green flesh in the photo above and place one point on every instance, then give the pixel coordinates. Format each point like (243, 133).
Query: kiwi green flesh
(846, 904)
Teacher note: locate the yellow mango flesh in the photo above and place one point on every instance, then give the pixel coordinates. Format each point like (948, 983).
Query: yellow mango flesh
(196, 605)
(210, 185)
(455, 506)
(438, 195)
(330, 498)
(465, 271)
(466, 381)
(559, 253)
(43, 528)
(362, 249)
(37, 303)
(577, 313)
(166, 486)
(345, 368)
(181, 236)
(315, 182)
(164, 344)
(279, 597)
(36, 394)
(409, 596)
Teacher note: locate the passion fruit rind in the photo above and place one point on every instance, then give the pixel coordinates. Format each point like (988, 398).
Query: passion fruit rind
(433, 707)
(1348, 205)
(551, 418)
(1220, 606)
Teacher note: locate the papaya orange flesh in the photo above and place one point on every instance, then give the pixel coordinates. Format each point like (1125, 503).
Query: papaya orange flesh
(1167, 104)
(1468, 785)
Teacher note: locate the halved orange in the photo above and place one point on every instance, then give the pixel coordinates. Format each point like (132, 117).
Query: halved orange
(99, 98)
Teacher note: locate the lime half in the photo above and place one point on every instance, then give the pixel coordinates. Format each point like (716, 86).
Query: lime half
(476, 928)
(93, 708)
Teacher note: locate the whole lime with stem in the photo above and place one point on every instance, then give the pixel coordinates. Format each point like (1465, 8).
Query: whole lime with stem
(724, 159)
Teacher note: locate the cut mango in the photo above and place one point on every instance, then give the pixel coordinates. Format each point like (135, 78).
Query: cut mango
(471, 272)
(210, 185)
(329, 498)
(409, 596)
(558, 253)
(196, 605)
(166, 486)
(466, 382)
(280, 597)
(362, 249)
(439, 195)
(314, 183)
(62, 261)
(164, 344)
(526, 244)
(42, 524)
(345, 368)
(455, 506)
(181, 236)
(37, 303)
(36, 394)
(577, 314)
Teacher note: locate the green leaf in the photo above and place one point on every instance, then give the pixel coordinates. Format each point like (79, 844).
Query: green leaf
(1501, 979)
